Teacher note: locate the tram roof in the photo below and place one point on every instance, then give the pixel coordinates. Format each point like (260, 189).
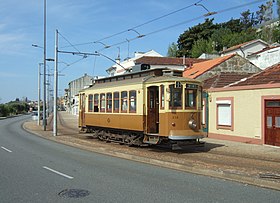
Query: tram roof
(143, 77)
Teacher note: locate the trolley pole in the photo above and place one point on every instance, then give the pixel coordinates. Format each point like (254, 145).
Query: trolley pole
(55, 86)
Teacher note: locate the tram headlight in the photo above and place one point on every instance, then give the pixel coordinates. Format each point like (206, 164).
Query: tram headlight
(192, 124)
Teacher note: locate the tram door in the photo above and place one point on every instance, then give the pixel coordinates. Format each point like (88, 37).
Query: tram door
(82, 110)
(153, 110)
(272, 122)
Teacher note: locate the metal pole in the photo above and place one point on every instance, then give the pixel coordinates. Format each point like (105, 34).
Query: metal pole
(39, 93)
(55, 86)
(44, 99)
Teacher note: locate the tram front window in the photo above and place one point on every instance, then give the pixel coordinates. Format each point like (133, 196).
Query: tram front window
(175, 97)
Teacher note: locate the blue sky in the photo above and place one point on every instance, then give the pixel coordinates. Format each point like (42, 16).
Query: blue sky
(84, 21)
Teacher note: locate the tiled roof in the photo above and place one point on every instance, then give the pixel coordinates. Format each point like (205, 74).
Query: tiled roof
(152, 60)
(269, 75)
(263, 50)
(198, 69)
(243, 44)
(223, 79)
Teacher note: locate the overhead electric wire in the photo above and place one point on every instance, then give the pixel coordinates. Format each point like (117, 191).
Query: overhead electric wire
(137, 26)
(69, 42)
(187, 21)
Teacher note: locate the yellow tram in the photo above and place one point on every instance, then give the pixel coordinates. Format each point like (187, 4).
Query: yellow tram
(155, 106)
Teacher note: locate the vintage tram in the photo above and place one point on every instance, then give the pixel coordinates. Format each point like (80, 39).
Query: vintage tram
(155, 106)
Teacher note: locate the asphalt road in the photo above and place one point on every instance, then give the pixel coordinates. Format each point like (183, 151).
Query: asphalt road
(33, 169)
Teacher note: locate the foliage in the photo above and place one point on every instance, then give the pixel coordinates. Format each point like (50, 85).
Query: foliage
(210, 38)
(172, 50)
(188, 38)
(202, 46)
(13, 108)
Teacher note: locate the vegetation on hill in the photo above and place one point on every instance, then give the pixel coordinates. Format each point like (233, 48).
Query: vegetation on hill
(13, 108)
(211, 38)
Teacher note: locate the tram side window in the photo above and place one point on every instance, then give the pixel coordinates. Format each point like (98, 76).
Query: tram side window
(175, 97)
(191, 95)
(96, 101)
(132, 101)
(116, 102)
(124, 101)
(102, 102)
(162, 104)
(90, 100)
(109, 102)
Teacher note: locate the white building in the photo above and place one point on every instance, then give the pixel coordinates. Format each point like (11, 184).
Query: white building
(72, 98)
(246, 48)
(128, 63)
(266, 57)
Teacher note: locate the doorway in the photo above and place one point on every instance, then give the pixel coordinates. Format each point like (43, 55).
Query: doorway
(272, 122)
(153, 110)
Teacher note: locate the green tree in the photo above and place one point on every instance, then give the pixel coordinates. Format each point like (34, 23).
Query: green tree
(200, 31)
(202, 46)
(172, 50)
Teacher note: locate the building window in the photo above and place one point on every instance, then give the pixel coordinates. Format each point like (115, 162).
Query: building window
(132, 101)
(162, 104)
(102, 102)
(90, 102)
(96, 102)
(190, 96)
(109, 102)
(225, 113)
(204, 111)
(116, 102)
(124, 102)
(175, 97)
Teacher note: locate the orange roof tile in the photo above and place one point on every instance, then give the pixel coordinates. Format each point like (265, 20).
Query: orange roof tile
(243, 44)
(270, 75)
(198, 69)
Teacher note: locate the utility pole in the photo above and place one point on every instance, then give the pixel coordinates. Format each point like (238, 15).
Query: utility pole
(39, 93)
(44, 82)
(55, 86)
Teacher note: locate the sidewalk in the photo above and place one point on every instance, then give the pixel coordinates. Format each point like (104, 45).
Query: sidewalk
(247, 163)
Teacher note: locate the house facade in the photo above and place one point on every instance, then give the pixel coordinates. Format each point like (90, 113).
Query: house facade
(265, 57)
(233, 63)
(71, 97)
(246, 48)
(247, 111)
(121, 67)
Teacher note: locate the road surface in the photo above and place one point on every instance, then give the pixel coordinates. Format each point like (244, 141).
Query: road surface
(34, 169)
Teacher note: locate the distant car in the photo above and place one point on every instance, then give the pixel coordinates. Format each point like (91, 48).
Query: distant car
(35, 116)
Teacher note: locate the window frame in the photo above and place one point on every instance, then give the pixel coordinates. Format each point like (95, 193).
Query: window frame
(96, 103)
(172, 93)
(123, 100)
(102, 102)
(223, 102)
(195, 92)
(162, 97)
(108, 101)
(116, 110)
(130, 101)
(90, 103)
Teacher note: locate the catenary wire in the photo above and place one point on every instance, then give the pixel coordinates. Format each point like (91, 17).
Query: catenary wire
(137, 26)
(184, 22)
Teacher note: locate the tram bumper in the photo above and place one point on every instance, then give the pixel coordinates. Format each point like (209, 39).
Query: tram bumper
(185, 135)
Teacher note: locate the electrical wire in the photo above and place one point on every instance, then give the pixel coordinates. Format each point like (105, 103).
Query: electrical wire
(137, 26)
(69, 42)
(187, 21)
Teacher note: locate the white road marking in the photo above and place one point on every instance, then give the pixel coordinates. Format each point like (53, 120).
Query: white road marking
(57, 172)
(7, 150)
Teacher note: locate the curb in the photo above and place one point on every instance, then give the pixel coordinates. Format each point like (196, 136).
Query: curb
(171, 165)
